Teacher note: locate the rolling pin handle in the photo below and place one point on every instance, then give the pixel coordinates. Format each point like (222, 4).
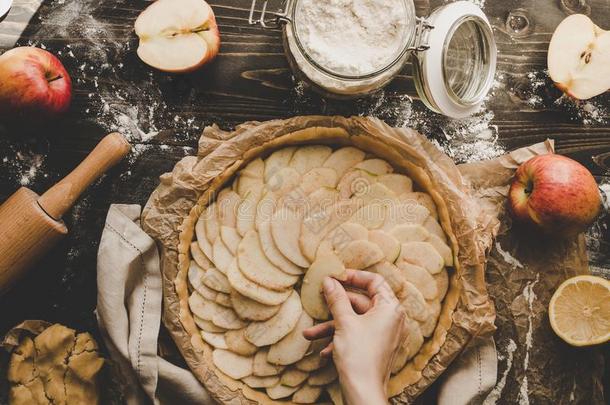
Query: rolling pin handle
(59, 198)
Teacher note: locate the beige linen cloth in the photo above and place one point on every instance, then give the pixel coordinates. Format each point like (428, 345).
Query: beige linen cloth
(129, 316)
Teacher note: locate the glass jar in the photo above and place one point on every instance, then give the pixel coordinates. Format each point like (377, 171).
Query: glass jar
(453, 52)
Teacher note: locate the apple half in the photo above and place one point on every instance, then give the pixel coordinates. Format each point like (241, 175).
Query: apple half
(579, 57)
(177, 36)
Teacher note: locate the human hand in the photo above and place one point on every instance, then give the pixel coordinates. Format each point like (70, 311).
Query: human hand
(368, 329)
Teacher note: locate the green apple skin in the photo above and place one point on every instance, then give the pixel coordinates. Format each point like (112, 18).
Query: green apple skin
(555, 194)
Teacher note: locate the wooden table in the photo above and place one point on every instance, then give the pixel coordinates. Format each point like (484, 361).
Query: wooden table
(163, 116)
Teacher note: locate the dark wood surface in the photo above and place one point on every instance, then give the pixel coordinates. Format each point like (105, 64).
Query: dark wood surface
(163, 116)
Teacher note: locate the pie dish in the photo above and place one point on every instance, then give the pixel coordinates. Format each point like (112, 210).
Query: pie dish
(260, 239)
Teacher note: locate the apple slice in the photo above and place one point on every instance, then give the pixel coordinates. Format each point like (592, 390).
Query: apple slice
(360, 254)
(442, 248)
(233, 365)
(199, 257)
(346, 233)
(177, 36)
(579, 57)
(202, 239)
(377, 194)
(312, 362)
(223, 299)
(255, 266)
(375, 166)
(252, 290)
(422, 254)
(316, 178)
(254, 169)
(307, 394)
(355, 182)
(398, 183)
(283, 180)
(262, 368)
(420, 278)
(279, 325)
(253, 381)
(195, 276)
(212, 226)
(286, 230)
(216, 280)
(293, 377)
(222, 256)
(231, 238)
(410, 233)
(326, 264)
(292, 347)
(323, 376)
(413, 302)
(424, 199)
(278, 160)
(198, 304)
(434, 228)
(388, 244)
(216, 340)
(404, 212)
(207, 326)
(306, 158)
(251, 310)
(248, 184)
(227, 203)
(344, 159)
(273, 254)
(411, 345)
(280, 391)
(335, 394)
(237, 343)
(319, 223)
(434, 309)
(442, 283)
(392, 276)
(227, 318)
(247, 211)
(371, 216)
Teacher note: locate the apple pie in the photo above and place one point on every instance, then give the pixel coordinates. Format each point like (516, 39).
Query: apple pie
(257, 246)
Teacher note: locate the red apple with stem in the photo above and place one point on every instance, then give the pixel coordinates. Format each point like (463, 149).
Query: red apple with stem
(33, 84)
(555, 194)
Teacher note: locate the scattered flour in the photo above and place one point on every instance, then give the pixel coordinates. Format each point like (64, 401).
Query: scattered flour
(508, 258)
(465, 140)
(496, 392)
(530, 297)
(22, 164)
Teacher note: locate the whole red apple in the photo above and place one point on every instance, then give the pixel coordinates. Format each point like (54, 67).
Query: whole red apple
(555, 194)
(33, 84)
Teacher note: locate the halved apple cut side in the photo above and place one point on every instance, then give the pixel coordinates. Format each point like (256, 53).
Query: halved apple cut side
(177, 36)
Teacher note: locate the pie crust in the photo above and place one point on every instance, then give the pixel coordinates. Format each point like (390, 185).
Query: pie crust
(224, 387)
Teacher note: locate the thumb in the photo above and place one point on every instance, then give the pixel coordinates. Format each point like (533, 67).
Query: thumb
(336, 298)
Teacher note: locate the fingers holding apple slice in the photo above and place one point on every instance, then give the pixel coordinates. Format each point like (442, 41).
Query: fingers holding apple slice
(177, 36)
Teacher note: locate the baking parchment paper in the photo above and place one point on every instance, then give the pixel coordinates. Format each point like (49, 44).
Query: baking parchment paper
(478, 192)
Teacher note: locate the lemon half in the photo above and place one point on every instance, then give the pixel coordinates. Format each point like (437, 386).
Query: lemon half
(579, 311)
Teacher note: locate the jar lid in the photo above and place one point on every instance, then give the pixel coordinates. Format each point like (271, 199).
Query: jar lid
(456, 71)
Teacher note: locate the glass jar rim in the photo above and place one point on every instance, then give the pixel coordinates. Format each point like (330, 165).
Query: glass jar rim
(484, 84)
(399, 58)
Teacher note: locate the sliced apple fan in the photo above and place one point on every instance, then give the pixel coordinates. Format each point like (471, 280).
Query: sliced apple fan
(262, 250)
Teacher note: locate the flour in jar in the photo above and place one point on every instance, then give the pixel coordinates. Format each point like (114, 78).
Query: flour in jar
(352, 37)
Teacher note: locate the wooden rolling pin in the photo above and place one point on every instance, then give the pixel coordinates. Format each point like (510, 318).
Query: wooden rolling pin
(30, 225)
